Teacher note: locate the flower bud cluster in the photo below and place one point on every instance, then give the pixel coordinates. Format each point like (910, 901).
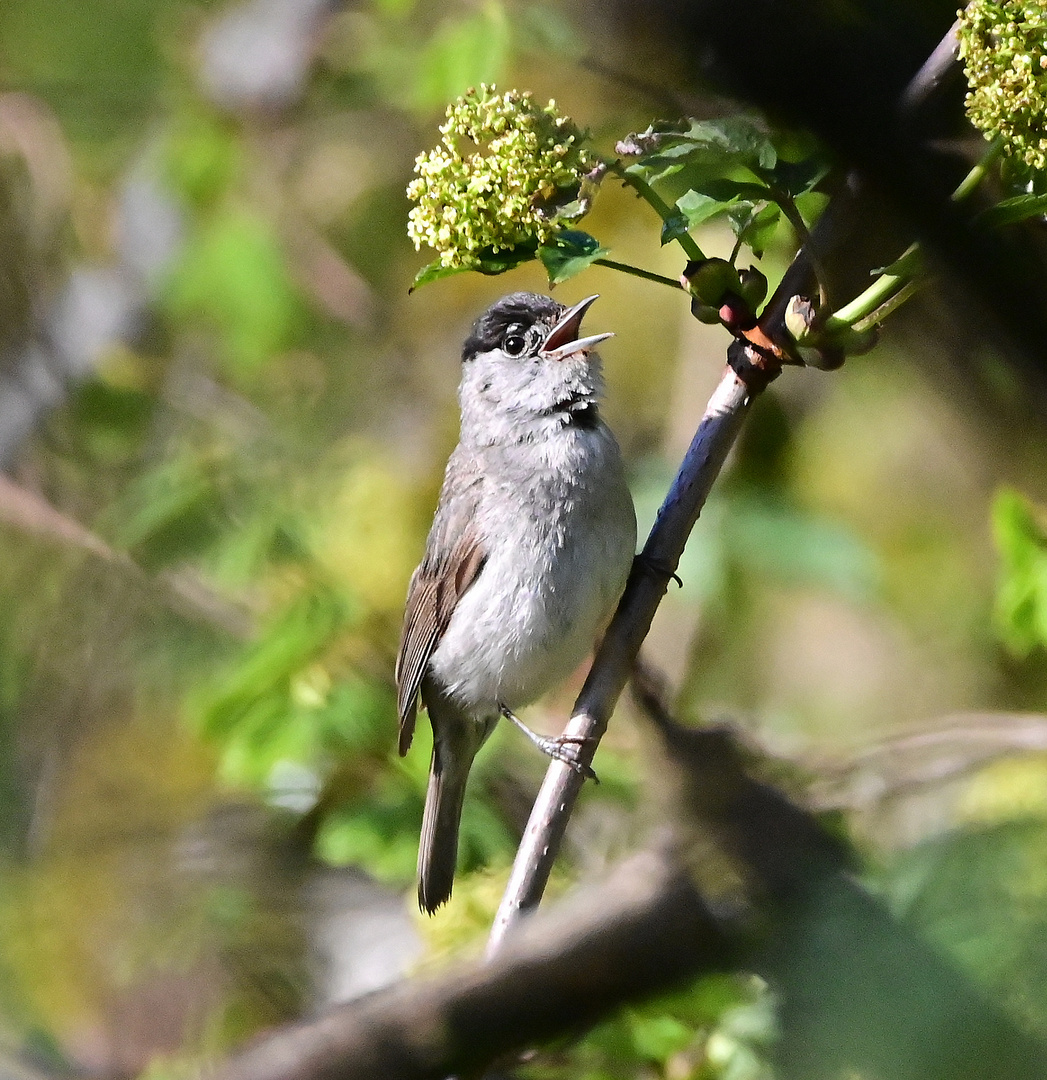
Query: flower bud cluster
(1003, 44)
(503, 168)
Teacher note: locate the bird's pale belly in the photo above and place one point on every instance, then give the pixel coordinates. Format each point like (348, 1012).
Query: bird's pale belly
(529, 621)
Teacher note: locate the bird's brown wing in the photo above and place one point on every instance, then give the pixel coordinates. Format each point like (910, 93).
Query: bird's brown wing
(454, 557)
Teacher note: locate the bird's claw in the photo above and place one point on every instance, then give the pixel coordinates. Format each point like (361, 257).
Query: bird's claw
(561, 748)
(556, 748)
(659, 566)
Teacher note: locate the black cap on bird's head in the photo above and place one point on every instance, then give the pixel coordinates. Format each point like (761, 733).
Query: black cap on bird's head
(531, 324)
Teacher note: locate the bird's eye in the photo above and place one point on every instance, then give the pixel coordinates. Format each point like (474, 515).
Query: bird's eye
(514, 344)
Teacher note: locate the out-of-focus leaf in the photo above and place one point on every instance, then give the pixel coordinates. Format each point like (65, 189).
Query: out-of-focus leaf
(292, 642)
(233, 276)
(981, 896)
(790, 546)
(1021, 597)
(397, 8)
(464, 52)
(570, 252)
(657, 1038)
(545, 30)
(1013, 210)
(373, 834)
(100, 75)
(112, 418)
(174, 512)
(201, 157)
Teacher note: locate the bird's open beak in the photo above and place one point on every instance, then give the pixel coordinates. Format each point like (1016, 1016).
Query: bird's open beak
(563, 339)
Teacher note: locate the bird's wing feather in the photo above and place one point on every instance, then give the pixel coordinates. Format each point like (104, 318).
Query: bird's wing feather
(453, 558)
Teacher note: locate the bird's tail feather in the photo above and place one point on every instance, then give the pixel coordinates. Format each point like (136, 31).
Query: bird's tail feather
(438, 847)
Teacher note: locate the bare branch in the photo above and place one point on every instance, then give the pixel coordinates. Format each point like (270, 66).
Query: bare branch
(644, 931)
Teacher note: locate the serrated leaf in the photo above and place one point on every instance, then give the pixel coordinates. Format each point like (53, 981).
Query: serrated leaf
(435, 271)
(726, 191)
(1013, 210)
(798, 177)
(673, 228)
(732, 140)
(699, 207)
(569, 253)
(753, 226)
(487, 262)
(721, 144)
(657, 167)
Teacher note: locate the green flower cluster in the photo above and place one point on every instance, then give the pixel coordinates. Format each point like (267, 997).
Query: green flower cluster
(1004, 48)
(520, 171)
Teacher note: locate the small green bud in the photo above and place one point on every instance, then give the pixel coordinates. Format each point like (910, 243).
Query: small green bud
(710, 280)
(753, 287)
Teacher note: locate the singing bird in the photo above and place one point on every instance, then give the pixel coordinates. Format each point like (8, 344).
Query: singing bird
(528, 553)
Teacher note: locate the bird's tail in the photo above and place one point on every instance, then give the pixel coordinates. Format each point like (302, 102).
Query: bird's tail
(438, 847)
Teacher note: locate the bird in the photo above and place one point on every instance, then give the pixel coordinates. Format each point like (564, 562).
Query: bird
(530, 547)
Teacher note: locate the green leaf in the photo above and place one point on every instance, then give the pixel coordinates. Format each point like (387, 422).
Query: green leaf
(435, 271)
(753, 226)
(699, 207)
(487, 262)
(1020, 611)
(798, 177)
(673, 228)
(660, 166)
(980, 895)
(731, 140)
(791, 546)
(201, 156)
(233, 276)
(463, 52)
(1010, 211)
(497, 262)
(569, 253)
(726, 191)
(263, 676)
(657, 1038)
(718, 144)
(172, 512)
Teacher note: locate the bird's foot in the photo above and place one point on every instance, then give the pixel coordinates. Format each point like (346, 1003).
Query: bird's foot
(653, 565)
(559, 747)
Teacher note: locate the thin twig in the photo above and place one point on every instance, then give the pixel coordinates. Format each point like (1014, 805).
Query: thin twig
(636, 271)
(936, 70)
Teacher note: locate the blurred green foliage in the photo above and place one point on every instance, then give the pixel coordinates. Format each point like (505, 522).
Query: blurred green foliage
(1021, 600)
